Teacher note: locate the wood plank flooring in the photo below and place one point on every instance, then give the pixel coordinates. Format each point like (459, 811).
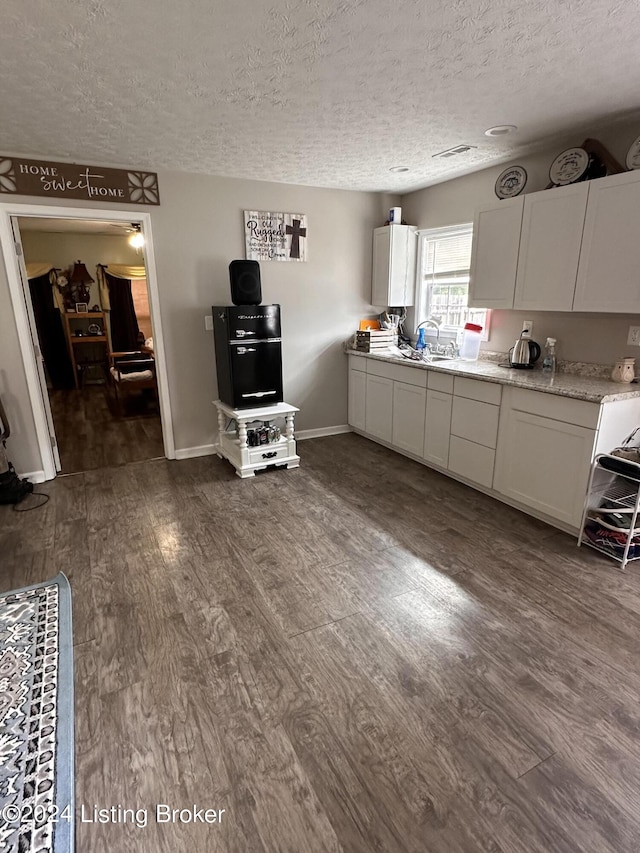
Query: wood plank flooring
(91, 433)
(357, 655)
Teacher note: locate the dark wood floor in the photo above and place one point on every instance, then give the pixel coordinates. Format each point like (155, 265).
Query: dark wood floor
(93, 433)
(358, 655)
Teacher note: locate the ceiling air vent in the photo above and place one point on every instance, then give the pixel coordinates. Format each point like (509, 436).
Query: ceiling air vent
(452, 152)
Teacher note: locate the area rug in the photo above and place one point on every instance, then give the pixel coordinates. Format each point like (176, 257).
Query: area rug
(36, 719)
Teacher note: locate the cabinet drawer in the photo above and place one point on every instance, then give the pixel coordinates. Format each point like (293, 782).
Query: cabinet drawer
(398, 372)
(440, 382)
(475, 421)
(473, 389)
(357, 362)
(268, 453)
(471, 461)
(565, 409)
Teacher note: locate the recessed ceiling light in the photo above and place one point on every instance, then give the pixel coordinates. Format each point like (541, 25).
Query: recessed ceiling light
(501, 130)
(399, 169)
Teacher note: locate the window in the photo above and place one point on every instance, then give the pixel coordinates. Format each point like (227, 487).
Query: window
(443, 279)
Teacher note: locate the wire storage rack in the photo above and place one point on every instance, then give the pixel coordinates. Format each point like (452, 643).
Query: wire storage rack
(610, 516)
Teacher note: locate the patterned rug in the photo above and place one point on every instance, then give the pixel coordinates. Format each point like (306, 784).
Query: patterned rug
(36, 719)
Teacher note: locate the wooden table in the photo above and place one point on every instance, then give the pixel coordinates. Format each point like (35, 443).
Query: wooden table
(232, 441)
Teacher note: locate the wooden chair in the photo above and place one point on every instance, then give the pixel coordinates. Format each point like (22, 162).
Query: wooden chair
(132, 372)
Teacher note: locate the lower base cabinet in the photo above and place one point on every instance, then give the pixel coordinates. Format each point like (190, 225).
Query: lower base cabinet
(437, 428)
(379, 407)
(472, 461)
(544, 464)
(531, 448)
(408, 417)
(357, 398)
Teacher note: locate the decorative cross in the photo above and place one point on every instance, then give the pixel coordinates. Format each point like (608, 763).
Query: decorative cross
(296, 232)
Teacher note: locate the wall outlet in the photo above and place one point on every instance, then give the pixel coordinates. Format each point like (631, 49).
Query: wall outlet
(208, 323)
(633, 340)
(527, 325)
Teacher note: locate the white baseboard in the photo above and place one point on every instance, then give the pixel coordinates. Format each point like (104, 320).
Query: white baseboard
(301, 435)
(192, 452)
(33, 476)
(323, 431)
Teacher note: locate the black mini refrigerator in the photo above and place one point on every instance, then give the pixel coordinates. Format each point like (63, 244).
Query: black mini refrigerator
(248, 355)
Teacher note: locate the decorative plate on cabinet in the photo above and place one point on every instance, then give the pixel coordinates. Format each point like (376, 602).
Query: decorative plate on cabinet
(633, 155)
(570, 166)
(511, 182)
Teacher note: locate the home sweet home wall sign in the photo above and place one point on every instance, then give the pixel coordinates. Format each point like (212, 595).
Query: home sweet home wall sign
(273, 236)
(69, 180)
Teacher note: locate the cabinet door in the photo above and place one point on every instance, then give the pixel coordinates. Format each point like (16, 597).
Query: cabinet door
(357, 398)
(609, 270)
(544, 464)
(437, 426)
(408, 417)
(394, 265)
(472, 461)
(379, 407)
(550, 248)
(494, 253)
(475, 421)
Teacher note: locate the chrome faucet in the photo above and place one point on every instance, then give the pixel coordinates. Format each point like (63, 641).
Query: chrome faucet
(434, 324)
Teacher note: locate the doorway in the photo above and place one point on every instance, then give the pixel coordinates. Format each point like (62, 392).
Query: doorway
(91, 312)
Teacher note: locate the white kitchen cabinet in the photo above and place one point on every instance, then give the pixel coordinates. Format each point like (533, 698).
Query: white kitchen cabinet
(544, 464)
(475, 421)
(357, 395)
(379, 407)
(394, 265)
(494, 253)
(550, 242)
(609, 270)
(472, 461)
(437, 427)
(408, 417)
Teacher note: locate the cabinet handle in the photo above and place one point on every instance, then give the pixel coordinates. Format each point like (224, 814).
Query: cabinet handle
(269, 455)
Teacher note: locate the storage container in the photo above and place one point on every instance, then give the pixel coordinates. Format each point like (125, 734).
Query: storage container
(471, 337)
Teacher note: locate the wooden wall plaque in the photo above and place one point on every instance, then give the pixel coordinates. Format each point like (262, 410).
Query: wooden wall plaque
(70, 180)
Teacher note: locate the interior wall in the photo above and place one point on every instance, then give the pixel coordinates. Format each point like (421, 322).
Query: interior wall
(64, 249)
(198, 230)
(593, 338)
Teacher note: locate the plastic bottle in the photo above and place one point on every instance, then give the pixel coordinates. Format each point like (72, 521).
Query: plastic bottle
(421, 343)
(549, 364)
(471, 337)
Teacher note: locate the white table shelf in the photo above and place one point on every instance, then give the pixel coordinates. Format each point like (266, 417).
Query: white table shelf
(232, 442)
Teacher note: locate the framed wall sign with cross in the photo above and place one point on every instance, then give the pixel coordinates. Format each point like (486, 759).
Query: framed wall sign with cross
(271, 236)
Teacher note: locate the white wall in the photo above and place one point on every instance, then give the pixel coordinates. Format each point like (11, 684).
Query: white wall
(198, 230)
(595, 338)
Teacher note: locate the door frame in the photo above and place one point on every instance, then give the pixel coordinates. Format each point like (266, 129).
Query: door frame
(13, 263)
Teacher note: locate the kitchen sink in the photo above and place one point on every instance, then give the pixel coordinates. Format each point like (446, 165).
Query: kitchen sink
(441, 358)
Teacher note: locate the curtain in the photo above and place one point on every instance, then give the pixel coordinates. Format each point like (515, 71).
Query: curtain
(51, 333)
(115, 271)
(124, 324)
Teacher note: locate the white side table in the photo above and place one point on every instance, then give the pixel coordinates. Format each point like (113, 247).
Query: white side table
(232, 442)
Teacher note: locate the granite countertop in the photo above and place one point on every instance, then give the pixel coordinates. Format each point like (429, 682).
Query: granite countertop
(593, 390)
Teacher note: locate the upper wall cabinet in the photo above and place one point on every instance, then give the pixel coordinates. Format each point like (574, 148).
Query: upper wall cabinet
(494, 255)
(550, 242)
(609, 270)
(394, 265)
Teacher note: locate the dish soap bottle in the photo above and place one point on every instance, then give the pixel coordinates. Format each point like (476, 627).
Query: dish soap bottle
(549, 363)
(421, 344)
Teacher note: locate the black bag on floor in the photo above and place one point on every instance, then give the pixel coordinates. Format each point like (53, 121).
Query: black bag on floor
(12, 488)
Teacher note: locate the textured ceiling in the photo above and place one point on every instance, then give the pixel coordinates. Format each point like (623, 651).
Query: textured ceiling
(319, 92)
(95, 227)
